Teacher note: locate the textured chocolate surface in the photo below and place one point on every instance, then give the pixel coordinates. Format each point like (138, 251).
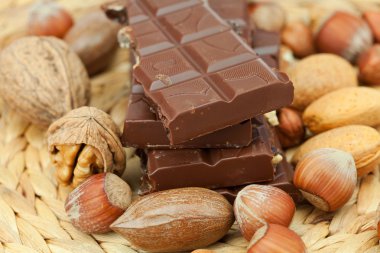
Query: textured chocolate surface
(212, 168)
(143, 129)
(267, 46)
(283, 180)
(235, 13)
(196, 69)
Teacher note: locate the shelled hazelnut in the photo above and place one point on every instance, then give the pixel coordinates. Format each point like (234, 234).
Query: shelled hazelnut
(98, 202)
(276, 238)
(326, 177)
(343, 34)
(256, 205)
(48, 18)
(369, 66)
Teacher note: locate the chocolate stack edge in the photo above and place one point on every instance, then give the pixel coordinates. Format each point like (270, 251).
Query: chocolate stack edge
(144, 129)
(213, 168)
(184, 70)
(194, 68)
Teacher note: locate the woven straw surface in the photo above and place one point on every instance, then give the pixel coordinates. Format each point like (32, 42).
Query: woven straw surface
(32, 216)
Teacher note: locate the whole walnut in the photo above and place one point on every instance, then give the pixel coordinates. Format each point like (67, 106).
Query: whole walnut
(42, 79)
(94, 38)
(84, 142)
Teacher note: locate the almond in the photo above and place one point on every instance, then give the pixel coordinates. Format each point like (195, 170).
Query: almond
(348, 106)
(319, 74)
(362, 142)
(176, 220)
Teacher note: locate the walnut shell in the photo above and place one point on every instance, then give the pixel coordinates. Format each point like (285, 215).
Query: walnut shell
(93, 141)
(42, 79)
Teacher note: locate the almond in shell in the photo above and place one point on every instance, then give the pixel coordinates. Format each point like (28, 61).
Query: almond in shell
(348, 106)
(363, 142)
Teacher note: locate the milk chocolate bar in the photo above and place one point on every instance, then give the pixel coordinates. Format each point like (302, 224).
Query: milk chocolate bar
(283, 180)
(267, 46)
(235, 13)
(143, 129)
(201, 76)
(212, 168)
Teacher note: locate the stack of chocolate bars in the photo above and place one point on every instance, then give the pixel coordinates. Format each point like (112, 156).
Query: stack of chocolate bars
(199, 93)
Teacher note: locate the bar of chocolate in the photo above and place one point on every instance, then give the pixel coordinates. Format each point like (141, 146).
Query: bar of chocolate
(267, 46)
(201, 76)
(212, 168)
(235, 13)
(143, 129)
(283, 180)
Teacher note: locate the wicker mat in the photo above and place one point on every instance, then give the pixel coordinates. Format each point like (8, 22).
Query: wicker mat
(32, 215)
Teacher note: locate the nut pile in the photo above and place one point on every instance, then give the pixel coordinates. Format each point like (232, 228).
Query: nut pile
(330, 130)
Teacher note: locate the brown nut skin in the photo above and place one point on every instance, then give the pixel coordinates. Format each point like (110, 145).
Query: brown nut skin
(256, 205)
(47, 18)
(373, 20)
(344, 34)
(94, 39)
(98, 202)
(290, 130)
(369, 66)
(299, 38)
(326, 177)
(276, 239)
(176, 220)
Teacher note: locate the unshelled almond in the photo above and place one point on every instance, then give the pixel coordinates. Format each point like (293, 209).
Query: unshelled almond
(176, 220)
(348, 106)
(362, 142)
(319, 74)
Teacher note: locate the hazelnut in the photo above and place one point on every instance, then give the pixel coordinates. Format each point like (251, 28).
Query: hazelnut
(256, 205)
(343, 34)
(98, 202)
(319, 74)
(369, 66)
(267, 16)
(291, 130)
(276, 238)
(176, 220)
(299, 38)
(373, 20)
(326, 177)
(47, 18)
